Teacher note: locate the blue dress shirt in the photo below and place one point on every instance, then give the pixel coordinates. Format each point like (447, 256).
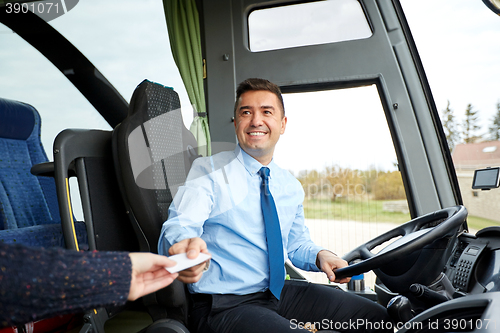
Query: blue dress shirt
(220, 202)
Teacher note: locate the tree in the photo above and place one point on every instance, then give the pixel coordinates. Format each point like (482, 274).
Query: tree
(311, 183)
(450, 127)
(345, 182)
(494, 130)
(389, 186)
(470, 125)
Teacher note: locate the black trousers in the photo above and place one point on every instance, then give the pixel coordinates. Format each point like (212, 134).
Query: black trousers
(328, 309)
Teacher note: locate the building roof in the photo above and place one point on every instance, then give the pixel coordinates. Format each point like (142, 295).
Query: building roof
(476, 155)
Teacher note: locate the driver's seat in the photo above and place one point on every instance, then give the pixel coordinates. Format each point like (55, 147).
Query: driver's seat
(153, 152)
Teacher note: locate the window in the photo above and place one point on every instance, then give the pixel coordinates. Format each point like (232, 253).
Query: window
(338, 145)
(118, 50)
(311, 23)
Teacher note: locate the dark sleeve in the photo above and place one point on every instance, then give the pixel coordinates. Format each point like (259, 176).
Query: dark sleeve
(37, 283)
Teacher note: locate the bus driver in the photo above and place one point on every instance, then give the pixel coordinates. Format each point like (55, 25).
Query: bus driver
(248, 213)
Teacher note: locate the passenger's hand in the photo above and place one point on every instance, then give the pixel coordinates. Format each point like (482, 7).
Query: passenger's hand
(328, 262)
(192, 247)
(149, 274)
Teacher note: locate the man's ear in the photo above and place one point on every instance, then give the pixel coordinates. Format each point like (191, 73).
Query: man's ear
(283, 125)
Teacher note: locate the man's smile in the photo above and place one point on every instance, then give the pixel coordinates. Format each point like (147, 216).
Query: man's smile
(257, 133)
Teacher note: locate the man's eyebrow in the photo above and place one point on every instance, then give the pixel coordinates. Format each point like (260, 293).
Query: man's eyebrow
(248, 107)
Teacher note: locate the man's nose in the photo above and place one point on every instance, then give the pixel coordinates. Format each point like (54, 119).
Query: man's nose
(256, 120)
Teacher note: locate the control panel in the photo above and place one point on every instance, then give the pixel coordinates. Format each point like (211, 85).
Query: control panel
(461, 264)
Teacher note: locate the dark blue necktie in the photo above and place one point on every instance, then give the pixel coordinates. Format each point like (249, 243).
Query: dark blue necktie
(273, 236)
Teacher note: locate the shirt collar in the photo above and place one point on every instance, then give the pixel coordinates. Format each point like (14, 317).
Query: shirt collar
(251, 164)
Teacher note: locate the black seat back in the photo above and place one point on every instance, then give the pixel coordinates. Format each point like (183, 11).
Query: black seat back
(153, 152)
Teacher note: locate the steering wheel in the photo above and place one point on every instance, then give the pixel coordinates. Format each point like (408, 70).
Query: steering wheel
(415, 235)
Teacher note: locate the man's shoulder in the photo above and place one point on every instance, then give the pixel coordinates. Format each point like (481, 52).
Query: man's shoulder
(209, 164)
(216, 159)
(285, 175)
(283, 172)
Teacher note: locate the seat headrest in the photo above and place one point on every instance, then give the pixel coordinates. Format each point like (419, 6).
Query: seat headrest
(17, 119)
(146, 99)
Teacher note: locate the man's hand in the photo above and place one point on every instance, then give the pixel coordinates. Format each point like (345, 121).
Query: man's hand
(327, 262)
(192, 247)
(149, 274)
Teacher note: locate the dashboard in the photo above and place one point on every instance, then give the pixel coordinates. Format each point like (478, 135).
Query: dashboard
(474, 266)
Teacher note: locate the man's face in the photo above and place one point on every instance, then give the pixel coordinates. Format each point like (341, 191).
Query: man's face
(259, 124)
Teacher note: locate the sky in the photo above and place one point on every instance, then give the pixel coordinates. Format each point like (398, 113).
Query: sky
(306, 24)
(459, 44)
(458, 41)
(348, 130)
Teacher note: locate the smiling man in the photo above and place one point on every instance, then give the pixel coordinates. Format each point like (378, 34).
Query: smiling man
(247, 212)
(259, 122)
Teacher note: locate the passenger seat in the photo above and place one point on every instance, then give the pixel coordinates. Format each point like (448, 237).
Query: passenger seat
(29, 212)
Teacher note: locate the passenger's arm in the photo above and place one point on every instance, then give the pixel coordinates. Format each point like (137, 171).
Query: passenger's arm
(149, 274)
(37, 283)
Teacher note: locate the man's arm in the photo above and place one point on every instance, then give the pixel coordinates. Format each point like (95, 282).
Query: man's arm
(190, 208)
(301, 249)
(192, 247)
(306, 255)
(188, 212)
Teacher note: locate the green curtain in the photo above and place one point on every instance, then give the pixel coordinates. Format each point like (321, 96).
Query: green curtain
(184, 34)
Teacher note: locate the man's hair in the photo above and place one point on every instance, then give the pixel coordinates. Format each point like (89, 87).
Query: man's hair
(258, 84)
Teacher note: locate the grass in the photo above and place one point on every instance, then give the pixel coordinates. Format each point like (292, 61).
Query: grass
(478, 223)
(369, 211)
(355, 210)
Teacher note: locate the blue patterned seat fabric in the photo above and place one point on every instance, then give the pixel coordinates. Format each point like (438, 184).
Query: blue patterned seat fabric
(29, 212)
